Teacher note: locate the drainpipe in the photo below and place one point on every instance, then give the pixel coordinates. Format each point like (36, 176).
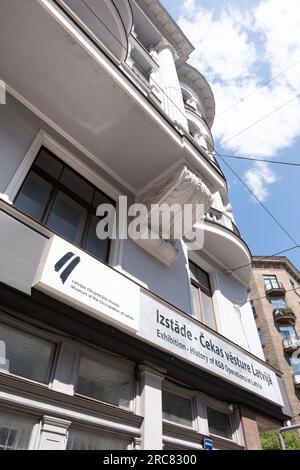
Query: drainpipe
(286, 429)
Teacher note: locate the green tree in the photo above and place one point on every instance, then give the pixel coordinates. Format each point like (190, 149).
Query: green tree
(270, 441)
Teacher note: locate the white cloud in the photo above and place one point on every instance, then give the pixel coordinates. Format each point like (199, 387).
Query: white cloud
(258, 178)
(238, 49)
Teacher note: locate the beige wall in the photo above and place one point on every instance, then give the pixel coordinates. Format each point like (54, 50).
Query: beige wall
(273, 350)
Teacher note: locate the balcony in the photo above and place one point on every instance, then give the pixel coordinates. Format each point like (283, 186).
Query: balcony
(290, 345)
(296, 378)
(276, 290)
(284, 315)
(70, 79)
(218, 217)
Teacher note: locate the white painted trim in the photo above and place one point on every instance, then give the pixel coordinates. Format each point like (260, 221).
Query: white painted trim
(70, 139)
(33, 405)
(44, 139)
(24, 167)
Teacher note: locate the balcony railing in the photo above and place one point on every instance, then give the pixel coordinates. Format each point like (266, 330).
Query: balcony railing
(218, 217)
(284, 315)
(297, 380)
(277, 289)
(291, 344)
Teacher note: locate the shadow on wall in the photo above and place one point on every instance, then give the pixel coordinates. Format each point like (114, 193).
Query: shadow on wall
(169, 282)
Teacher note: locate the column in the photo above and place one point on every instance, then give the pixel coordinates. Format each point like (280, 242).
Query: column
(53, 433)
(151, 406)
(250, 428)
(172, 100)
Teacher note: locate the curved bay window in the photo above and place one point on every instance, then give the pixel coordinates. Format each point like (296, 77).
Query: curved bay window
(203, 308)
(56, 196)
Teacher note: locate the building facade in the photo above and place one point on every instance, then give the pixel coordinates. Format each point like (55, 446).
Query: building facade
(276, 305)
(118, 343)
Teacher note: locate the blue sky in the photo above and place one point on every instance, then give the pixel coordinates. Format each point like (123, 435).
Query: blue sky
(240, 44)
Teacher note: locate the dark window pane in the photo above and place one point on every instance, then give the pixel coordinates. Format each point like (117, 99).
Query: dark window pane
(201, 276)
(78, 185)
(177, 409)
(24, 354)
(100, 198)
(67, 218)
(49, 164)
(219, 423)
(33, 196)
(95, 246)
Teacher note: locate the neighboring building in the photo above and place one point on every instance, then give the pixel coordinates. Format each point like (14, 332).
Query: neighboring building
(275, 294)
(123, 343)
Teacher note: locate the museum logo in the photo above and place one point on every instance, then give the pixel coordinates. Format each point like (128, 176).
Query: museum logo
(66, 265)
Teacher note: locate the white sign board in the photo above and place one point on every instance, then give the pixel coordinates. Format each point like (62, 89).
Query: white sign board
(70, 274)
(186, 339)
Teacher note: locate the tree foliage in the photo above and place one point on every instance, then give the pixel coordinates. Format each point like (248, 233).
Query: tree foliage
(270, 441)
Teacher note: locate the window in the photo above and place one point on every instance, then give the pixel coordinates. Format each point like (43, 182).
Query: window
(203, 308)
(59, 198)
(219, 423)
(15, 431)
(24, 354)
(177, 409)
(271, 281)
(253, 308)
(103, 380)
(288, 332)
(279, 302)
(295, 363)
(88, 440)
(261, 338)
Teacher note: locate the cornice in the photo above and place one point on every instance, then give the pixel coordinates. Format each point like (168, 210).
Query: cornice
(190, 76)
(282, 261)
(168, 27)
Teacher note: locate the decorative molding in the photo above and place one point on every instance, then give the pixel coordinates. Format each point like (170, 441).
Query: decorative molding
(167, 26)
(181, 186)
(197, 82)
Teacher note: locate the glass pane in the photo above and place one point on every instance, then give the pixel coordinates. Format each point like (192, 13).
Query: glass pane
(177, 409)
(100, 198)
(208, 311)
(201, 276)
(103, 382)
(33, 196)
(95, 246)
(24, 354)
(49, 164)
(295, 363)
(219, 423)
(271, 281)
(15, 431)
(196, 302)
(67, 218)
(81, 440)
(288, 332)
(77, 184)
(278, 303)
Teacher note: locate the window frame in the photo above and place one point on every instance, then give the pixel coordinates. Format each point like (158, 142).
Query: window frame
(88, 428)
(183, 393)
(234, 418)
(19, 325)
(58, 187)
(194, 282)
(271, 281)
(26, 415)
(110, 359)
